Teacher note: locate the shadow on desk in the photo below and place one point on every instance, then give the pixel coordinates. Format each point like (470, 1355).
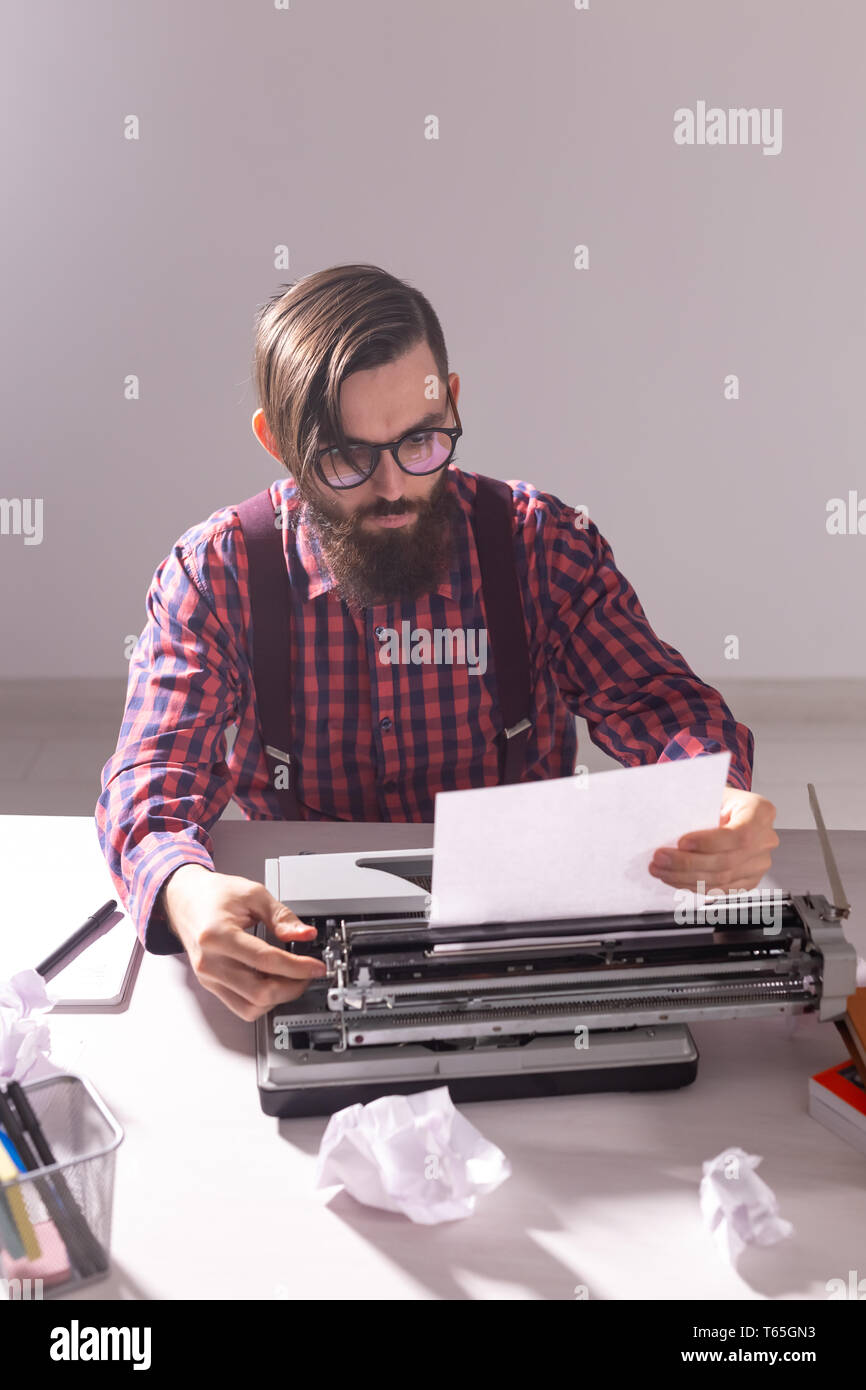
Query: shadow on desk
(232, 1033)
(611, 1182)
(491, 1246)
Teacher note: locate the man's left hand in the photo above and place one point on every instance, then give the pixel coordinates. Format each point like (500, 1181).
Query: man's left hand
(734, 856)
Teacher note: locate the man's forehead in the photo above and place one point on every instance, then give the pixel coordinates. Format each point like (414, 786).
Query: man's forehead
(376, 416)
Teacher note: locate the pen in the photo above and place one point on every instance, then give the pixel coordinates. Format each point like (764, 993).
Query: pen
(53, 964)
(10, 1236)
(91, 1247)
(53, 1206)
(13, 1152)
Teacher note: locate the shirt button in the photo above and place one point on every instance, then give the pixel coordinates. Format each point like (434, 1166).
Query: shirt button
(389, 786)
(378, 631)
(385, 723)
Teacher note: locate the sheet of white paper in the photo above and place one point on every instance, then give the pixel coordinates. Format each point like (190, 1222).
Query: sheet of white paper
(738, 1206)
(570, 846)
(417, 1154)
(24, 1034)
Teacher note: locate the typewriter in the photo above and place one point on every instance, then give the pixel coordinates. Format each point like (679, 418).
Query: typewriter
(530, 1008)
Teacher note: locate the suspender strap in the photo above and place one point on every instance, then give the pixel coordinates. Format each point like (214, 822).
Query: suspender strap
(493, 522)
(269, 588)
(269, 610)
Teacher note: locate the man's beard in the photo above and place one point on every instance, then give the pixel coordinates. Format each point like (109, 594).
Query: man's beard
(383, 565)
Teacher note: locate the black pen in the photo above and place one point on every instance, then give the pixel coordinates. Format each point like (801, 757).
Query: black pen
(53, 1205)
(53, 964)
(90, 1245)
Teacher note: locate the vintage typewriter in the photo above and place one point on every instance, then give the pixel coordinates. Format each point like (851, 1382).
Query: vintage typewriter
(529, 1008)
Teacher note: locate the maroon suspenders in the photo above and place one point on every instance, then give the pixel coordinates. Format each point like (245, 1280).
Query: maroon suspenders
(269, 611)
(493, 523)
(270, 606)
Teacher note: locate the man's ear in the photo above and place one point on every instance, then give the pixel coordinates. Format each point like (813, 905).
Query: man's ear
(263, 434)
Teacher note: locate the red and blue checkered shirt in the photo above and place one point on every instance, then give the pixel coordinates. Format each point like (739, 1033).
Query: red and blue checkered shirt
(375, 741)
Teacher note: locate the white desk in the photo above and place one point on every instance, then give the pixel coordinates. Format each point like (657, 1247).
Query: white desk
(214, 1200)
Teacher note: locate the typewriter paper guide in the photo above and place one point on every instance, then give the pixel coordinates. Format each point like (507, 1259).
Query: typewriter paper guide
(348, 884)
(571, 846)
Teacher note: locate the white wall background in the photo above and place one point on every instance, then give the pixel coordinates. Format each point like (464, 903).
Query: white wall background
(306, 127)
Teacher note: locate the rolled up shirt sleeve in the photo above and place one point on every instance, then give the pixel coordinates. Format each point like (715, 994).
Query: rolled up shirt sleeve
(641, 700)
(168, 781)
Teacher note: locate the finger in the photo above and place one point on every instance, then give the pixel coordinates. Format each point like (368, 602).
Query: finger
(295, 931)
(269, 910)
(746, 874)
(741, 884)
(238, 1005)
(674, 861)
(737, 846)
(749, 865)
(758, 823)
(272, 960)
(234, 943)
(262, 990)
(291, 931)
(723, 839)
(719, 865)
(718, 868)
(252, 903)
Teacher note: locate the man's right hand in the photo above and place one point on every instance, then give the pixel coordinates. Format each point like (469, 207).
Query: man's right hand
(211, 914)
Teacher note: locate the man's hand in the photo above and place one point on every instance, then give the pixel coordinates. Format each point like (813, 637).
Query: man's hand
(736, 855)
(211, 913)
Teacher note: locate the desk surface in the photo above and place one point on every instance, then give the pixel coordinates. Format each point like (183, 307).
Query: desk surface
(215, 1200)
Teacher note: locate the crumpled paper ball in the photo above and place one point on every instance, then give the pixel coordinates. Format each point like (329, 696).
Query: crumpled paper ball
(415, 1154)
(23, 1037)
(738, 1206)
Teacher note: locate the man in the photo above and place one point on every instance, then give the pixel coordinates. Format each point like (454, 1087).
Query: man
(358, 403)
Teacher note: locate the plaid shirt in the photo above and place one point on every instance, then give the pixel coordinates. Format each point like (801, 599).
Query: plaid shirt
(375, 739)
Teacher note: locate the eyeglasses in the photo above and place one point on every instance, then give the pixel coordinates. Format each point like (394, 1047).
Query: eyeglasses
(418, 452)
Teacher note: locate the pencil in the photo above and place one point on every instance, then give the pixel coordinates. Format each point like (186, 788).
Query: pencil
(15, 1201)
(10, 1236)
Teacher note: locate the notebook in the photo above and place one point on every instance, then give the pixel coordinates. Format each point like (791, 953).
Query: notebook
(50, 882)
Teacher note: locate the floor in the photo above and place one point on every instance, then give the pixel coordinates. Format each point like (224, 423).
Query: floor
(55, 737)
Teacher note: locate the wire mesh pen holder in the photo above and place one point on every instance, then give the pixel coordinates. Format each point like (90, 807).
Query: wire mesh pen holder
(55, 1221)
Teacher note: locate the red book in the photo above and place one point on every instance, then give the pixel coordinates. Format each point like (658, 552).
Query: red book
(837, 1099)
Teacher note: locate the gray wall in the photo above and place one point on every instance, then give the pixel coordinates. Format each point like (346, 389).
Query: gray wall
(261, 127)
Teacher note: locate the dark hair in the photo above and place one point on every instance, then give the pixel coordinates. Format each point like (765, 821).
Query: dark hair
(317, 330)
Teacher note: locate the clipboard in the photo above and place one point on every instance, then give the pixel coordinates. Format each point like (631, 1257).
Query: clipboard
(50, 883)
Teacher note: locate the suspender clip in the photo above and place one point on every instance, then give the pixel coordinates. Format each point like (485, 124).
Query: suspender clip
(278, 753)
(280, 783)
(518, 728)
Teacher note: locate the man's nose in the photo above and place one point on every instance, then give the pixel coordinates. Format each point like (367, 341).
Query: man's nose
(388, 480)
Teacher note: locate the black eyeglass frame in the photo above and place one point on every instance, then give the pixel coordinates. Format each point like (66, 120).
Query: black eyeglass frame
(454, 432)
